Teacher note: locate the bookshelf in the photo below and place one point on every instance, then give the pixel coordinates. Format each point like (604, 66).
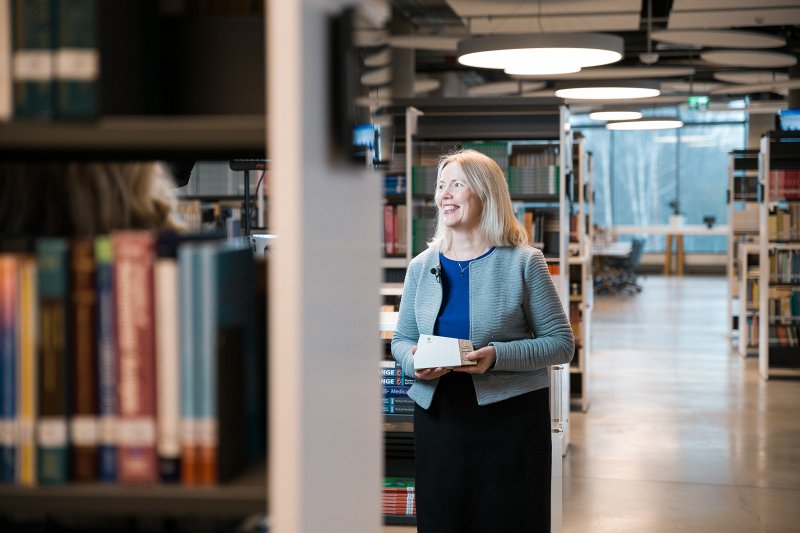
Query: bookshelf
(748, 301)
(581, 286)
(742, 230)
(779, 238)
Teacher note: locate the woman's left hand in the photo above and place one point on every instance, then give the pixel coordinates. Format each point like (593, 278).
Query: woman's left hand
(485, 357)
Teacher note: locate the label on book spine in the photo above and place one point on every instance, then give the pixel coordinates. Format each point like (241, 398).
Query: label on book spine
(84, 430)
(52, 432)
(137, 432)
(77, 64)
(107, 430)
(33, 65)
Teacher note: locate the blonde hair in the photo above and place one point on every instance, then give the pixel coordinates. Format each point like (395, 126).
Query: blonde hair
(85, 199)
(498, 226)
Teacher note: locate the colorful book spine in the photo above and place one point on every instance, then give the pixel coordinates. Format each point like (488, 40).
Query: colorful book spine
(55, 331)
(6, 79)
(33, 40)
(83, 423)
(28, 371)
(106, 361)
(187, 328)
(167, 361)
(8, 364)
(76, 59)
(134, 255)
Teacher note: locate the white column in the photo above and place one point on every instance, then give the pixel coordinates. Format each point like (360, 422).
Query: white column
(324, 397)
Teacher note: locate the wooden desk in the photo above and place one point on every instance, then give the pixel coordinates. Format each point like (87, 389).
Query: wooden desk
(672, 231)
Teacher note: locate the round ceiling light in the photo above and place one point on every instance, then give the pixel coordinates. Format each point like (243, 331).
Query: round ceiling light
(518, 50)
(751, 76)
(612, 90)
(615, 115)
(719, 38)
(539, 68)
(749, 58)
(654, 123)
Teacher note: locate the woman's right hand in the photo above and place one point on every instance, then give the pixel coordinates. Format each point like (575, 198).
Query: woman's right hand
(429, 373)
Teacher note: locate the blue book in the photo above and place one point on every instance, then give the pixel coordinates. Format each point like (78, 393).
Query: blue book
(8, 366)
(107, 360)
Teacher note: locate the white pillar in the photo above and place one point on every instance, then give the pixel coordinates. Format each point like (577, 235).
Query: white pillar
(324, 396)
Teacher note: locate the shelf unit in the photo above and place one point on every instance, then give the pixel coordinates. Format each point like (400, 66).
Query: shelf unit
(581, 286)
(779, 238)
(743, 213)
(748, 290)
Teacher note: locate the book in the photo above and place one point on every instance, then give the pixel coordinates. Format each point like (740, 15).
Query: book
(28, 371)
(33, 41)
(55, 333)
(6, 79)
(76, 59)
(187, 332)
(134, 255)
(106, 361)
(9, 282)
(167, 358)
(83, 304)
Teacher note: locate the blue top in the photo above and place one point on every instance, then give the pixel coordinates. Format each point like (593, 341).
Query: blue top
(453, 318)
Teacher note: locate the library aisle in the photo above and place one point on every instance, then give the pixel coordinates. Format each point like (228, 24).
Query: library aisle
(682, 434)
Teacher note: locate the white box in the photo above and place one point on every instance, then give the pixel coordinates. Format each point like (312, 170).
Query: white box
(445, 352)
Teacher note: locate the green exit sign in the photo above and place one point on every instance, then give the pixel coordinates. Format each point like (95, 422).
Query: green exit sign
(698, 103)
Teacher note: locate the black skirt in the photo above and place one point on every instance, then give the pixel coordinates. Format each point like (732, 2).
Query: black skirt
(482, 469)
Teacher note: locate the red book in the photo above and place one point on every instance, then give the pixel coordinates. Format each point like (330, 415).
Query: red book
(134, 257)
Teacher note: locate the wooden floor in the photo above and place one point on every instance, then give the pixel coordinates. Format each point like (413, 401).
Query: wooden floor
(681, 434)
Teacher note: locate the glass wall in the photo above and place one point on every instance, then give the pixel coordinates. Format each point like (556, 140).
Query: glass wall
(643, 177)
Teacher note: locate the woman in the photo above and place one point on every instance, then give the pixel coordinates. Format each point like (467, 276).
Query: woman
(482, 432)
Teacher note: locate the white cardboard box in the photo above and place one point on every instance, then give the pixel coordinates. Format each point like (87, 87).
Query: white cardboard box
(445, 352)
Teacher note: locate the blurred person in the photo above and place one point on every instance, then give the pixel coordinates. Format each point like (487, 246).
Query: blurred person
(85, 198)
(482, 433)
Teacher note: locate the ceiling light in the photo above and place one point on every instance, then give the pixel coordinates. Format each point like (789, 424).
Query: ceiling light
(655, 123)
(519, 50)
(539, 68)
(607, 90)
(615, 115)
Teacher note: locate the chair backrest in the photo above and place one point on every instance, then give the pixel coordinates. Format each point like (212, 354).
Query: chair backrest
(637, 249)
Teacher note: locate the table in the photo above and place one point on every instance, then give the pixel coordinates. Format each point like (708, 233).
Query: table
(672, 231)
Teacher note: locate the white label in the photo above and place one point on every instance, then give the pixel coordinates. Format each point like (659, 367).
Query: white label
(82, 64)
(52, 432)
(206, 432)
(7, 432)
(33, 65)
(27, 431)
(107, 430)
(137, 432)
(84, 430)
(188, 432)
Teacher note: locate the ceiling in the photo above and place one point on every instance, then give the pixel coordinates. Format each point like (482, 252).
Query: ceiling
(721, 64)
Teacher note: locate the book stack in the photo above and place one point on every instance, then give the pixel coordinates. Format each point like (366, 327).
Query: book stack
(395, 389)
(117, 352)
(399, 496)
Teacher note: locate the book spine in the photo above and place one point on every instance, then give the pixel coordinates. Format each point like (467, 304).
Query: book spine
(8, 372)
(33, 30)
(27, 373)
(187, 264)
(6, 79)
(106, 361)
(167, 369)
(83, 424)
(134, 253)
(205, 369)
(76, 60)
(54, 371)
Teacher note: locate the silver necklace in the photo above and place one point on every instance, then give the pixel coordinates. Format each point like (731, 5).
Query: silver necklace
(464, 269)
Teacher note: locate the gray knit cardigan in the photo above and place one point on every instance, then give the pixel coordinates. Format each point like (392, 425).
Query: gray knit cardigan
(513, 306)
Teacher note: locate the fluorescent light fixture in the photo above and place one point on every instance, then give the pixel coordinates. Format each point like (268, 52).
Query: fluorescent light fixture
(654, 123)
(516, 51)
(615, 115)
(607, 90)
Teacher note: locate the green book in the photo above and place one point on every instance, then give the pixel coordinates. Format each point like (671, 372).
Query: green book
(33, 34)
